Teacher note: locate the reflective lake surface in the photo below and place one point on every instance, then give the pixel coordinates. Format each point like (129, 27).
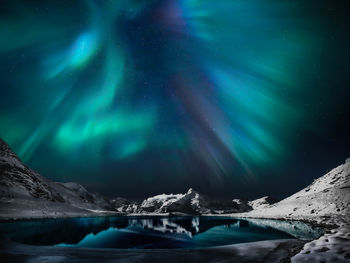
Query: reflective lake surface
(152, 231)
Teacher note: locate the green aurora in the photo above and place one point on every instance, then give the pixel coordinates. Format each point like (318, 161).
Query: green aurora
(124, 94)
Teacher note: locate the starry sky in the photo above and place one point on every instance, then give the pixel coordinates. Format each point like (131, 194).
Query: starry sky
(138, 97)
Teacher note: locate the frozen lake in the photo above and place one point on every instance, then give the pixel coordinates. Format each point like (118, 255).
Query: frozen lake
(152, 232)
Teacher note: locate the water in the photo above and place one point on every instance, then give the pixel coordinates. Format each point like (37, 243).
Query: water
(152, 232)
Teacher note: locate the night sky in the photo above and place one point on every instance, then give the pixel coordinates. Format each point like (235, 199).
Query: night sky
(134, 98)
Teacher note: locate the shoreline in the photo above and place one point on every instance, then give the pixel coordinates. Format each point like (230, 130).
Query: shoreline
(311, 222)
(111, 213)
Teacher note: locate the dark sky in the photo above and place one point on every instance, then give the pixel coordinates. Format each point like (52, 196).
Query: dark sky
(135, 98)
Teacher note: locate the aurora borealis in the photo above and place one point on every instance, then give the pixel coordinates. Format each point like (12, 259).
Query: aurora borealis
(134, 97)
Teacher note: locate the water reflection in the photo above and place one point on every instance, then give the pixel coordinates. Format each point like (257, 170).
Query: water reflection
(142, 232)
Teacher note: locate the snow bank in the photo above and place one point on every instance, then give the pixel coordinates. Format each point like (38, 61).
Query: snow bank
(326, 201)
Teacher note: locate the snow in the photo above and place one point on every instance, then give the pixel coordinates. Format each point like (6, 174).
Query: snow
(8, 157)
(327, 202)
(241, 205)
(262, 202)
(26, 194)
(191, 202)
(334, 246)
(159, 203)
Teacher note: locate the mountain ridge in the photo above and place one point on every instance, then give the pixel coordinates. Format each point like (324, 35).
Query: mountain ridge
(20, 184)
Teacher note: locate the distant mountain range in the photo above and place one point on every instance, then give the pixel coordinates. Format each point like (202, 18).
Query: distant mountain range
(25, 193)
(191, 202)
(21, 185)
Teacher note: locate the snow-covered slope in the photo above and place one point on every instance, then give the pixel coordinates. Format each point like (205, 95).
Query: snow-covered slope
(76, 195)
(23, 189)
(262, 202)
(19, 181)
(325, 201)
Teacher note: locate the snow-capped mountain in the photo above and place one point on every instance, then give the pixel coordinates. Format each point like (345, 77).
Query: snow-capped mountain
(191, 202)
(327, 197)
(262, 202)
(326, 200)
(22, 186)
(241, 205)
(19, 181)
(160, 203)
(125, 206)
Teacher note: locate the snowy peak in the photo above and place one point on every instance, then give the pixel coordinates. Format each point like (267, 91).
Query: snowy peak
(164, 203)
(339, 177)
(327, 197)
(191, 191)
(19, 182)
(241, 205)
(191, 202)
(159, 203)
(262, 202)
(8, 157)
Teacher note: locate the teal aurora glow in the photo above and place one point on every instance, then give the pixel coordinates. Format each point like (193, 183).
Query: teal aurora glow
(182, 92)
